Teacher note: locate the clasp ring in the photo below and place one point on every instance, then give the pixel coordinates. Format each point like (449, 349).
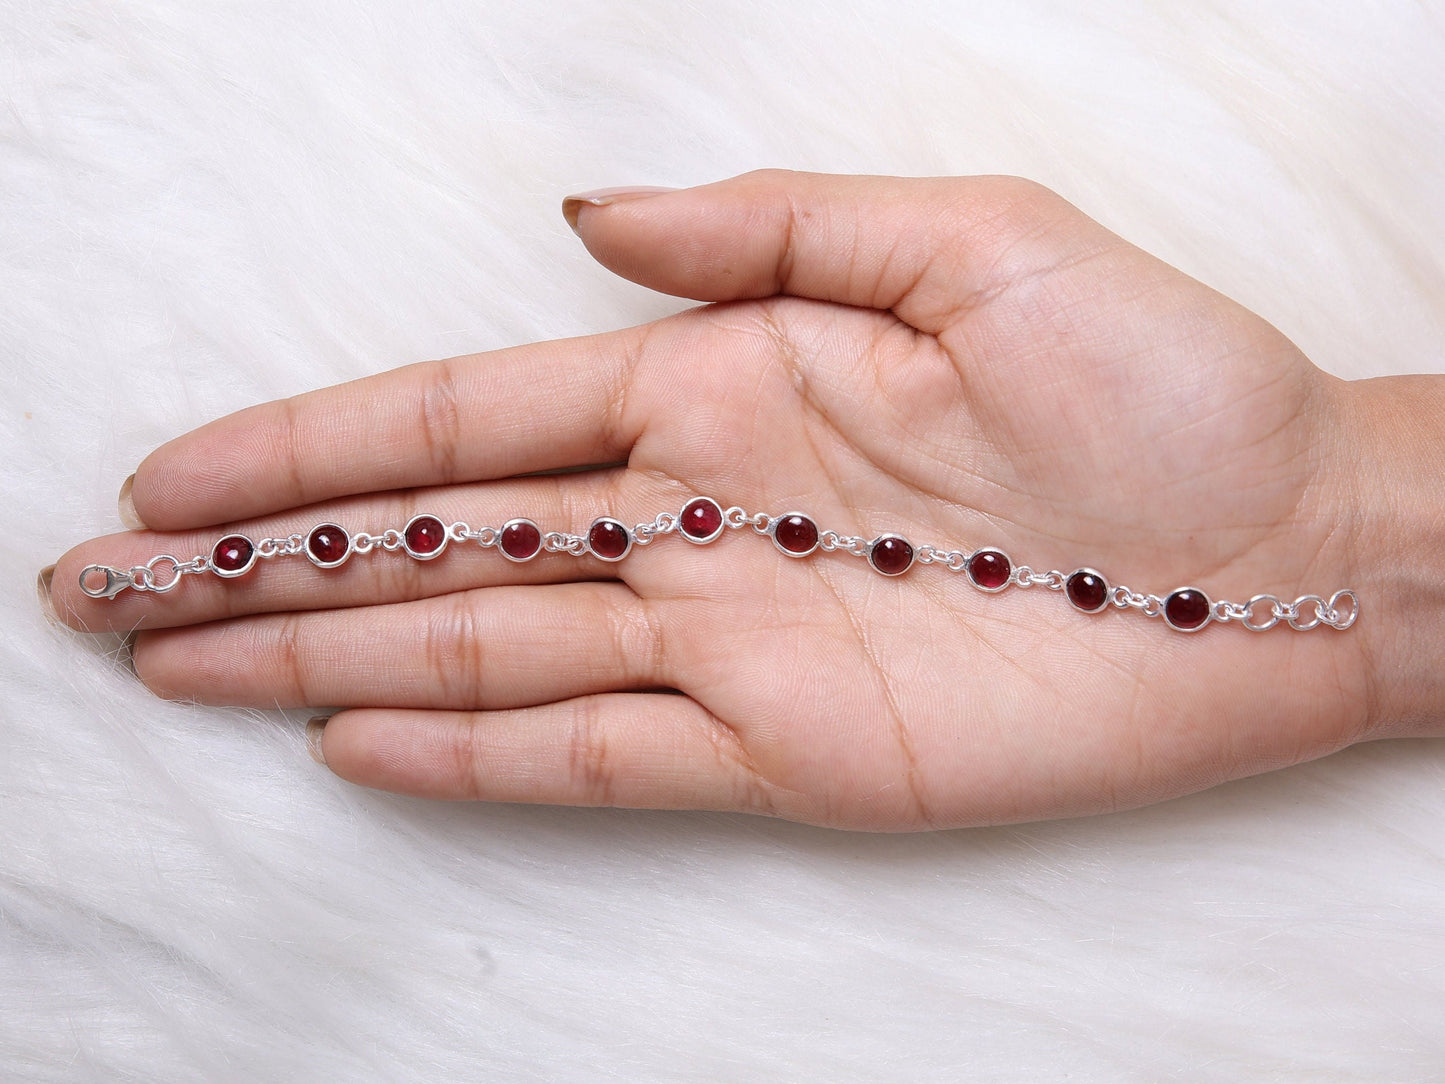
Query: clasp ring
(116, 581)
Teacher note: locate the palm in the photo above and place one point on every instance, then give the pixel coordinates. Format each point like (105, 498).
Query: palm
(862, 699)
(1076, 403)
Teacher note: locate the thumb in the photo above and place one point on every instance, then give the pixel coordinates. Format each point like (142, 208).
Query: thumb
(930, 249)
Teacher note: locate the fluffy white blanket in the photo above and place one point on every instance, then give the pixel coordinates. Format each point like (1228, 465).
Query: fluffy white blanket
(206, 204)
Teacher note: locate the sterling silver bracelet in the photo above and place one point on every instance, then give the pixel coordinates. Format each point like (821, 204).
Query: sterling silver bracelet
(703, 520)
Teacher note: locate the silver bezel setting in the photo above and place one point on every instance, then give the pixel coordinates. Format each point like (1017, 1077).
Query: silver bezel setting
(231, 574)
(773, 534)
(518, 522)
(1108, 589)
(318, 562)
(626, 533)
(721, 521)
(417, 555)
(1208, 610)
(968, 570)
(873, 546)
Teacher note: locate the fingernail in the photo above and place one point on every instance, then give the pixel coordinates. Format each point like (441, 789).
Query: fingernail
(601, 197)
(315, 727)
(125, 504)
(42, 590)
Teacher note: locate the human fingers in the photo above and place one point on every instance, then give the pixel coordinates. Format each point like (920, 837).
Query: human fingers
(529, 408)
(637, 750)
(385, 573)
(929, 249)
(488, 648)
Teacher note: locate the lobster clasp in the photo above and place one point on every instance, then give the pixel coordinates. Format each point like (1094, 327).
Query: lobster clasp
(116, 581)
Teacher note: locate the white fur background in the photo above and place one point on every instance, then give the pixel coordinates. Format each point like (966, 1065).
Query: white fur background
(206, 204)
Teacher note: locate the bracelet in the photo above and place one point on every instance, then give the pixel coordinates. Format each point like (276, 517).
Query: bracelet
(703, 520)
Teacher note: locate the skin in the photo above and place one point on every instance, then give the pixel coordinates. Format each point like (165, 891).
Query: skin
(966, 362)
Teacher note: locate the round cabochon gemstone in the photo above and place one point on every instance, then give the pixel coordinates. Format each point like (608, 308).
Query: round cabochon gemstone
(1087, 590)
(795, 534)
(891, 555)
(989, 569)
(425, 536)
(233, 555)
(521, 539)
(1187, 609)
(609, 540)
(701, 520)
(328, 544)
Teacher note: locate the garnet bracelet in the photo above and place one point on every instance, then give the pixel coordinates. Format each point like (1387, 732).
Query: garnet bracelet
(703, 520)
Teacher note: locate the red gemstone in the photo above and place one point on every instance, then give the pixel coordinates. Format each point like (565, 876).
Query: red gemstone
(233, 555)
(608, 539)
(796, 535)
(328, 544)
(990, 570)
(425, 537)
(1087, 590)
(701, 520)
(891, 555)
(521, 539)
(1187, 609)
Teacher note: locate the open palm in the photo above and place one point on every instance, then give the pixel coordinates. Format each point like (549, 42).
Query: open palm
(964, 363)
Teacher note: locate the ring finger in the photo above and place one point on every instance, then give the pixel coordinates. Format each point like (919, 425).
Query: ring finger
(491, 648)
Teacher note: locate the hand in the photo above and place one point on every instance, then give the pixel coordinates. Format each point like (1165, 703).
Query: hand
(963, 362)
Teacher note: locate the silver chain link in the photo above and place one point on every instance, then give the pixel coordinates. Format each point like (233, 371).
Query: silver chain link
(289, 546)
(1024, 576)
(1304, 613)
(832, 541)
(663, 523)
(486, 537)
(558, 542)
(1127, 598)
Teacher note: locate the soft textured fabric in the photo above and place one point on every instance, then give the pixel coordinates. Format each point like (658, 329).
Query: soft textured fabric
(206, 204)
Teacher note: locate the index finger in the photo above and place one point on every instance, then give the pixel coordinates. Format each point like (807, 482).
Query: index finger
(529, 408)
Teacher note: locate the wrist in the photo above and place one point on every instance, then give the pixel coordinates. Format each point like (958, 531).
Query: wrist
(1393, 471)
